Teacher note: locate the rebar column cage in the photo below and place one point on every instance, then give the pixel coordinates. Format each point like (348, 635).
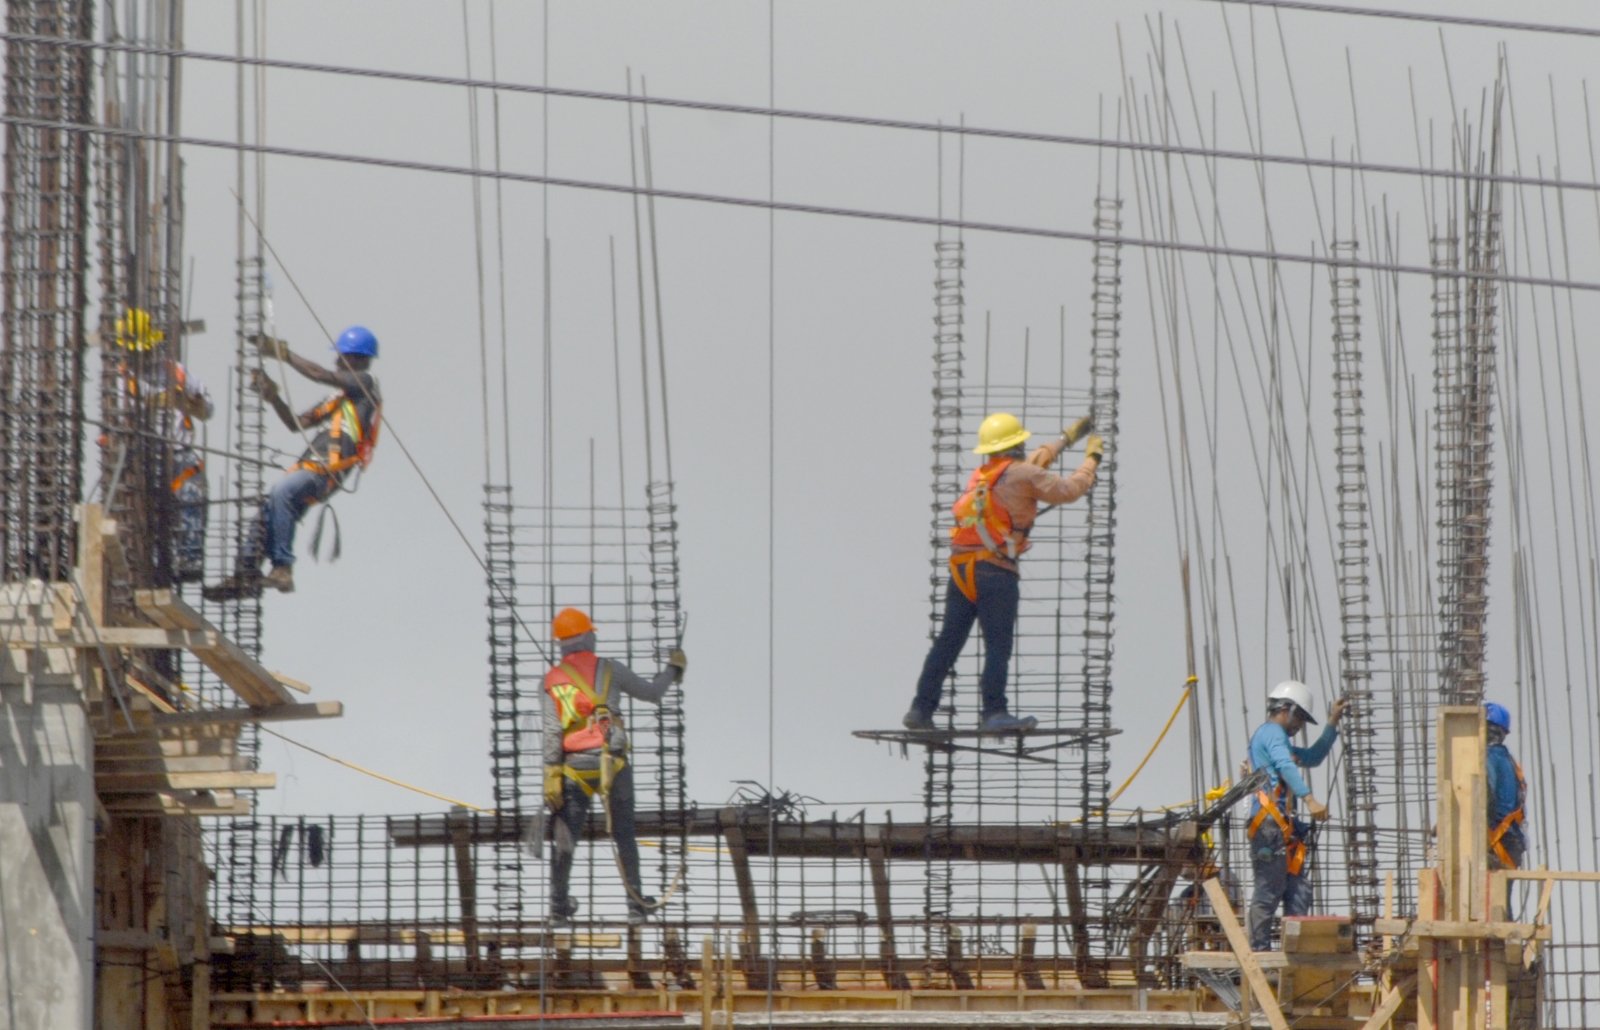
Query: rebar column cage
(45, 239)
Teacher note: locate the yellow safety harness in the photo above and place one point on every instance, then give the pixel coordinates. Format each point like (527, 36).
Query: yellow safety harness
(583, 731)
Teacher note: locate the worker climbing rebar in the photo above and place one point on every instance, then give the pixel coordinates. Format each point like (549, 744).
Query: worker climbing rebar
(586, 753)
(1279, 843)
(1508, 794)
(351, 418)
(993, 519)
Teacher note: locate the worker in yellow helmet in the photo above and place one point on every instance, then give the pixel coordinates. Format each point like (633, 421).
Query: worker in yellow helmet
(586, 753)
(993, 519)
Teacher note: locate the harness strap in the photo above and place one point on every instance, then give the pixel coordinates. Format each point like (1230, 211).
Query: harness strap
(186, 475)
(1295, 847)
(964, 574)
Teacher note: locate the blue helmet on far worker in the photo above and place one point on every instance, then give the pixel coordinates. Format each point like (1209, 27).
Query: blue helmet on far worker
(357, 339)
(1497, 715)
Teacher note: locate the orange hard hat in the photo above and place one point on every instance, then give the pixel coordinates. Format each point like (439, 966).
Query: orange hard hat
(570, 622)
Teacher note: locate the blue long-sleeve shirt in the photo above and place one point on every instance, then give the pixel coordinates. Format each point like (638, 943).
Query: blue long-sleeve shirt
(1270, 749)
(1505, 791)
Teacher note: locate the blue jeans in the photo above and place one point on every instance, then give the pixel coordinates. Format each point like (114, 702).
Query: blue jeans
(286, 506)
(1274, 884)
(996, 612)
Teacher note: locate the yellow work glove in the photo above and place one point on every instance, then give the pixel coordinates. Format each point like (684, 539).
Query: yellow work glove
(1095, 448)
(678, 660)
(1073, 433)
(554, 784)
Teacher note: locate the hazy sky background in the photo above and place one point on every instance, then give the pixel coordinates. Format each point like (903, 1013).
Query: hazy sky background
(396, 629)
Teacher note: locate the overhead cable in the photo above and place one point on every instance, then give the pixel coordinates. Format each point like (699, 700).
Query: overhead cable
(1423, 16)
(862, 121)
(932, 221)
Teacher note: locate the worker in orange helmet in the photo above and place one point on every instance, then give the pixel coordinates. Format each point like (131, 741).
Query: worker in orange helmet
(993, 519)
(586, 753)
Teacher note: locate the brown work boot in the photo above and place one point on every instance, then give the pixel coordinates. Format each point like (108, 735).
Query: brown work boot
(281, 579)
(244, 584)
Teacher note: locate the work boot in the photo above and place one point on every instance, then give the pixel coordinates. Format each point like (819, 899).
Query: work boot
(281, 579)
(917, 722)
(242, 584)
(1005, 722)
(562, 912)
(638, 915)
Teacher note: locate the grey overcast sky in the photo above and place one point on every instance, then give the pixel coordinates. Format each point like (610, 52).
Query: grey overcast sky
(396, 629)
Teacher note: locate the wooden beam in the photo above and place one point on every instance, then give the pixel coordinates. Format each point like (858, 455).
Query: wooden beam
(878, 865)
(273, 713)
(115, 783)
(1390, 1004)
(750, 942)
(1090, 973)
(467, 885)
(1464, 930)
(248, 679)
(1247, 960)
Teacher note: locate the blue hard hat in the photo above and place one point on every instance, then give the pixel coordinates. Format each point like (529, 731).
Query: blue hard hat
(357, 340)
(1497, 716)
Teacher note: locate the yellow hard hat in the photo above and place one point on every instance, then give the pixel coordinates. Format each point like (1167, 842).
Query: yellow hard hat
(134, 331)
(999, 432)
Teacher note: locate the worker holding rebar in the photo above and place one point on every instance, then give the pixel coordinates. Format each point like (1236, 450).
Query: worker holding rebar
(1508, 794)
(349, 421)
(586, 753)
(1279, 842)
(993, 519)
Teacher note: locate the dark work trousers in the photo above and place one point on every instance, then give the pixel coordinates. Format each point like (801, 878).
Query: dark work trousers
(569, 827)
(996, 612)
(1274, 884)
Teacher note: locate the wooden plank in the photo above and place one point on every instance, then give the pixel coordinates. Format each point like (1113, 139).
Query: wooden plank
(1391, 1003)
(1271, 960)
(249, 679)
(1247, 960)
(292, 684)
(1549, 875)
(92, 560)
(160, 764)
(1464, 930)
(273, 713)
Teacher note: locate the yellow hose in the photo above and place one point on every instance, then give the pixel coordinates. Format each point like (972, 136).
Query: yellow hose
(1187, 689)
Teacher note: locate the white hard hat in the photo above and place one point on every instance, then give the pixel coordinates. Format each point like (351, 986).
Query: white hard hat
(1295, 692)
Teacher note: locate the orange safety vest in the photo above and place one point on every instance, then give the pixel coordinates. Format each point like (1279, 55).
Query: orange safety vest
(981, 521)
(585, 717)
(1512, 818)
(345, 423)
(1273, 805)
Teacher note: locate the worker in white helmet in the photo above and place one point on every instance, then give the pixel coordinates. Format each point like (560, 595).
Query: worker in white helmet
(1277, 838)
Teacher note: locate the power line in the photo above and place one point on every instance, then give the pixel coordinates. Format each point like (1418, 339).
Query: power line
(1435, 19)
(862, 121)
(931, 221)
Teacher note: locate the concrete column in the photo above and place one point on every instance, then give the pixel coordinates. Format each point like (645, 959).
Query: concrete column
(46, 841)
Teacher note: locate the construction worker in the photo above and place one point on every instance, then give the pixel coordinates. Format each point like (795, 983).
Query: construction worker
(1278, 841)
(993, 519)
(350, 419)
(586, 753)
(174, 407)
(1508, 794)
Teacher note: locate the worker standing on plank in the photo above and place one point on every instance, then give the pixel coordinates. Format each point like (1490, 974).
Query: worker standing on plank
(586, 753)
(1278, 847)
(1508, 794)
(993, 519)
(350, 419)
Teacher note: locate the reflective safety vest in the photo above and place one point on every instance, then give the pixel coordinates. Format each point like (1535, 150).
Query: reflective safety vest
(981, 521)
(1273, 804)
(585, 717)
(1513, 817)
(348, 444)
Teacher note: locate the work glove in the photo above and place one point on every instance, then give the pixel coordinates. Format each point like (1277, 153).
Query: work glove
(262, 383)
(271, 348)
(1073, 433)
(1095, 448)
(554, 785)
(678, 660)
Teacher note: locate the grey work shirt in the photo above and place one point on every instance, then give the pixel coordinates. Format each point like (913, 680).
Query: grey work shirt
(649, 691)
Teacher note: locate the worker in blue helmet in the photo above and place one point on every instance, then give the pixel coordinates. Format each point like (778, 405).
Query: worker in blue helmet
(1508, 794)
(347, 424)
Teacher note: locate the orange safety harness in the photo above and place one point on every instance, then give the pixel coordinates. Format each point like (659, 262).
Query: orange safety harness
(586, 718)
(1512, 818)
(981, 521)
(1273, 804)
(345, 423)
